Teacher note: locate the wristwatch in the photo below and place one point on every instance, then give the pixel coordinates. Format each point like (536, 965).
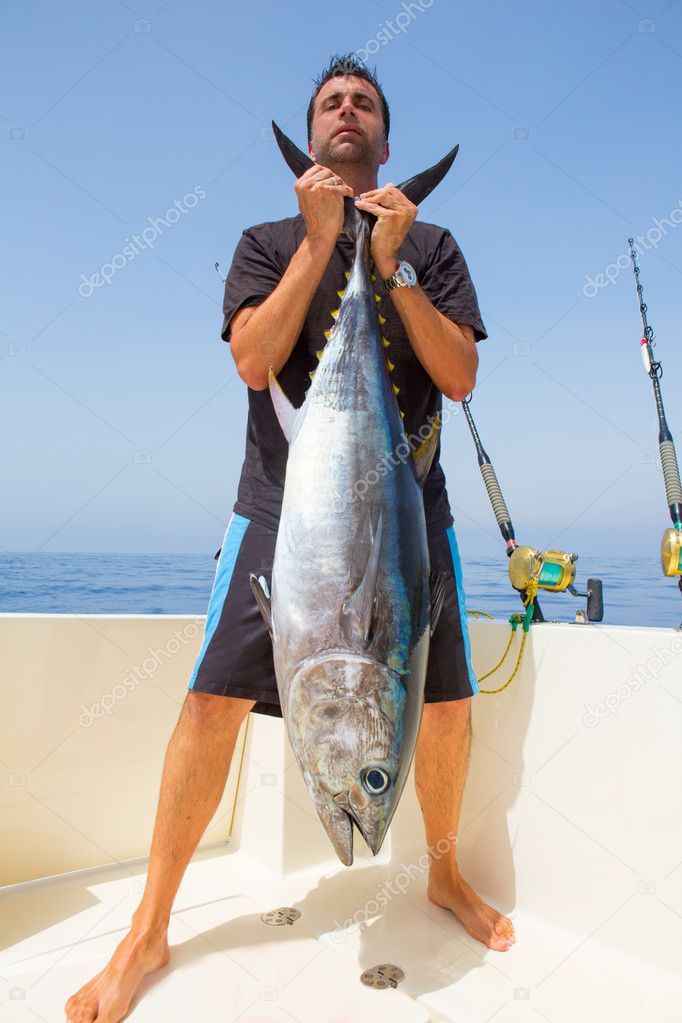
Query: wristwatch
(404, 277)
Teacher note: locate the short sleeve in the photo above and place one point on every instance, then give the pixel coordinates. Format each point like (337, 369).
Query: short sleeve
(252, 277)
(450, 288)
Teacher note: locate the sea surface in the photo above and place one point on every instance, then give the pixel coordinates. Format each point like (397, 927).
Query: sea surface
(635, 591)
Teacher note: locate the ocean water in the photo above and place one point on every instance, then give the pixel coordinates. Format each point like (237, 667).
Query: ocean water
(635, 591)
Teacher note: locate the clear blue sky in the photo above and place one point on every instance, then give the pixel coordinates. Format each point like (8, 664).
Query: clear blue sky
(568, 120)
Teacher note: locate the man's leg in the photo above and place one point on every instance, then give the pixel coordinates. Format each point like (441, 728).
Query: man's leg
(441, 762)
(194, 775)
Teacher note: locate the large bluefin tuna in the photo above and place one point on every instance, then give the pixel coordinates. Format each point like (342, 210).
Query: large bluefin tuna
(353, 602)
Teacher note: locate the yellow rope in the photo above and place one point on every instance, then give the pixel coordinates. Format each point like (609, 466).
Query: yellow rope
(515, 620)
(491, 692)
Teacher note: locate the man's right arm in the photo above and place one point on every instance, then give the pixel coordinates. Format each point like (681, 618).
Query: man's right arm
(265, 335)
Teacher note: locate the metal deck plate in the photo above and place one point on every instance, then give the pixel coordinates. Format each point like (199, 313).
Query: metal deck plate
(281, 916)
(382, 976)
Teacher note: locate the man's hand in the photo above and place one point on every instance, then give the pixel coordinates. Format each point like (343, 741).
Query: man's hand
(321, 203)
(395, 216)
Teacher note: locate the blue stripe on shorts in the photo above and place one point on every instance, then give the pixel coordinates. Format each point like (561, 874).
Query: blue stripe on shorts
(457, 564)
(234, 534)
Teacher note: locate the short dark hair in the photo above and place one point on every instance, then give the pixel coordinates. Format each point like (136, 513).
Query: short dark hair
(339, 66)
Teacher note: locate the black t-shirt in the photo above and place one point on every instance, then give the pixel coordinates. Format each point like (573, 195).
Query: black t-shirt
(259, 263)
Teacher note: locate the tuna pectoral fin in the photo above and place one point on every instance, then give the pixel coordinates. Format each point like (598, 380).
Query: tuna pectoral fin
(259, 588)
(437, 583)
(358, 610)
(423, 455)
(284, 410)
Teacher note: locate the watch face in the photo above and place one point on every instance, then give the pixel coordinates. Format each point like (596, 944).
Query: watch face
(408, 273)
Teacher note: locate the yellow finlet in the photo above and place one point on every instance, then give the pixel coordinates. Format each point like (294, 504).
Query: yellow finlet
(327, 334)
(391, 365)
(335, 313)
(377, 298)
(346, 274)
(402, 414)
(341, 293)
(319, 354)
(374, 277)
(396, 390)
(385, 342)
(382, 319)
(312, 373)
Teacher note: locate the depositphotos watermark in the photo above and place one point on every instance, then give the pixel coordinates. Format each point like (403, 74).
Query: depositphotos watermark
(398, 884)
(643, 242)
(138, 673)
(133, 246)
(400, 454)
(638, 676)
(392, 27)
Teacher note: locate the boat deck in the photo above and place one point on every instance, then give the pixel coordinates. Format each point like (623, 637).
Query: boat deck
(225, 960)
(571, 824)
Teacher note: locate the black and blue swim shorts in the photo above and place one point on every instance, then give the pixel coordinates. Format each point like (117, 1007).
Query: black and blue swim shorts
(236, 654)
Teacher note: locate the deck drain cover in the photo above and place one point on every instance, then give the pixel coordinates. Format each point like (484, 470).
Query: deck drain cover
(278, 917)
(383, 976)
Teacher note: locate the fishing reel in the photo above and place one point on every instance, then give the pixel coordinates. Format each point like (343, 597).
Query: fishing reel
(554, 571)
(671, 552)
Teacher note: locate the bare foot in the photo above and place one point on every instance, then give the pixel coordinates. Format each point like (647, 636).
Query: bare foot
(481, 921)
(107, 997)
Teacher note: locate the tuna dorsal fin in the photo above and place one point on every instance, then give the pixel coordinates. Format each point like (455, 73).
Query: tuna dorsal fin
(423, 455)
(437, 586)
(357, 610)
(259, 588)
(418, 187)
(284, 410)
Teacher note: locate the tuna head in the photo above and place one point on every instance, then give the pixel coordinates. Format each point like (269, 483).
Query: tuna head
(347, 718)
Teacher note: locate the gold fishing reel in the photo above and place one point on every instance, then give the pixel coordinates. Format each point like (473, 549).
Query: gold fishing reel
(671, 552)
(531, 570)
(553, 570)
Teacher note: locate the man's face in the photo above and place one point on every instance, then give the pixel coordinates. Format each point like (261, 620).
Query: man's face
(348, 125)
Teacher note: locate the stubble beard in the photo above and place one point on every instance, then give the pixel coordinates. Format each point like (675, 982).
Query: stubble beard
(334, 153)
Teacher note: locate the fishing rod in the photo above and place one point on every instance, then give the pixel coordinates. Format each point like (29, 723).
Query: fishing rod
(550, 570)
(671, 544)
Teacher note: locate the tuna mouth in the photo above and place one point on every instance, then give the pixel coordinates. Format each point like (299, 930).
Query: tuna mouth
(339, 827)
(343, 802)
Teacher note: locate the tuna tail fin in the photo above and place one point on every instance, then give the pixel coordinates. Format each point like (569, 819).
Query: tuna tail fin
(299, 162)
(415, 188)
(358, 610)
(418, 187)
(423, 455)
(296, 159)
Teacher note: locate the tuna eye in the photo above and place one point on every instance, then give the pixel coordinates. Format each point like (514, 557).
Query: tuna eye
(375, 781)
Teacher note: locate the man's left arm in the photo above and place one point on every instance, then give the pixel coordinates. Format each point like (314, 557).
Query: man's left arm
(446, 349)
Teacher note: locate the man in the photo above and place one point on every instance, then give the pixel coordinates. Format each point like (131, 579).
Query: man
(280, 293)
